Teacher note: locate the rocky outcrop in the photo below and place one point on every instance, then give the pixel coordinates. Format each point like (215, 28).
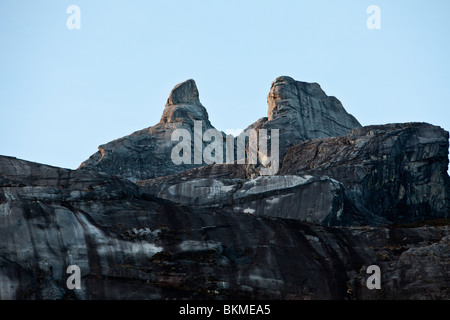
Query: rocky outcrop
(305, 198)
(134, 246)
(315, 115)
(396, 171)
(27, 181)
(300, 110)
(140, 226)
(380, 175)
(147, 153)
(183, 106)
(388, 174)
(303, 111)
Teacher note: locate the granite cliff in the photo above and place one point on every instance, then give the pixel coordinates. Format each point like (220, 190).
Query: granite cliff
(147, 153)
(140, 227)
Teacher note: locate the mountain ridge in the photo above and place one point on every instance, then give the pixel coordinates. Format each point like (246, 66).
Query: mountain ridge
(140, 227)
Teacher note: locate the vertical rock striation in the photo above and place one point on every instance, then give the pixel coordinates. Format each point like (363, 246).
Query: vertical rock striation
(146, 153)
(221, 231)
(303, 111)
(396, 171)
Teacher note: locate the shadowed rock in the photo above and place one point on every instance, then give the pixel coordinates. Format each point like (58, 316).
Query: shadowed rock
(305, 198)
(302, 111)
(184, 93)
(396, 171)
(147, 153)
(133, 246)
(299, 110)
(183, 105)
(223, 231)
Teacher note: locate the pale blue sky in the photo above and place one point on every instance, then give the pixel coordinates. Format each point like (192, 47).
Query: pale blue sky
(64, 92)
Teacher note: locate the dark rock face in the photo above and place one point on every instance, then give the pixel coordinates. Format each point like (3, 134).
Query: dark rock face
(133, 246)
(305, 198)
(184, 93)
(394, 173)
(397, 171)
(141, 227)
(23, 180)
(147, 153)
(183, 105)
(305, 107)
(300, 110)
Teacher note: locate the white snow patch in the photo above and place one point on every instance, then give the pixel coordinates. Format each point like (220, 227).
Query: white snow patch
(249, 210)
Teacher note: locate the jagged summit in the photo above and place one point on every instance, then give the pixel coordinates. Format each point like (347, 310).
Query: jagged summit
(313, 112)
(223, 227)
(147, 153)
(303, 111)
(183, 105)
(300, 110)
(184, 93)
